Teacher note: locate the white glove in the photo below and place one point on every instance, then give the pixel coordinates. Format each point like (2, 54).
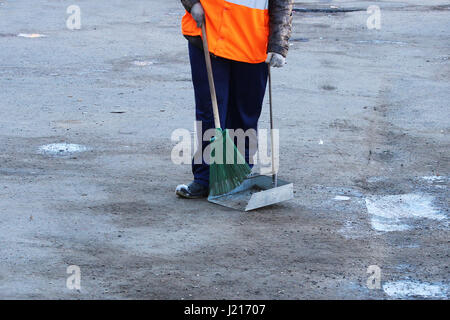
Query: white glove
(275, 60)
(198, 14)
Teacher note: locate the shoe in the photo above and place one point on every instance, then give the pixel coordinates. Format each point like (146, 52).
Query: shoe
(193, 190)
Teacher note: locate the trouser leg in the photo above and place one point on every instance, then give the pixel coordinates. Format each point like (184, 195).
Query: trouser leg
(246, 96)
(203, 105)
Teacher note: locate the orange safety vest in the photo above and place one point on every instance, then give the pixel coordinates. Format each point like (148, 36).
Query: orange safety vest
(236, 29)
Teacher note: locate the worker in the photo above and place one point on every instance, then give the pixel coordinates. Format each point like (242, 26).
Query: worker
(243, 37)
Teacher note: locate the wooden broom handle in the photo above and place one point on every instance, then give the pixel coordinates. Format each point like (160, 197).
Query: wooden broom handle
(212, 88)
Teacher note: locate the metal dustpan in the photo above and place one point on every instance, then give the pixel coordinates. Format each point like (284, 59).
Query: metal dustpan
(256, 192)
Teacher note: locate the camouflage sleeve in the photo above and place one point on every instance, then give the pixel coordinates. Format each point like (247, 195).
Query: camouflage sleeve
(280, 22)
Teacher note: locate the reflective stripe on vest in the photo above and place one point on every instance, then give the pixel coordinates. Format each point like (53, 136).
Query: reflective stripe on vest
(237, 29)
(254, 4)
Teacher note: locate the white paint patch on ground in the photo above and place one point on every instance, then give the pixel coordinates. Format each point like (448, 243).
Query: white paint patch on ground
(376, 179)
(410, 289)
(62, 149)
(411, 245)
(31, 35)
(395, 212)
(387, 225)
(143, 63)
(434, 178)
(379, 41)
(341, 198)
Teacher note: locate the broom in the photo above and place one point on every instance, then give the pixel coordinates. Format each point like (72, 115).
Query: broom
(227, 169)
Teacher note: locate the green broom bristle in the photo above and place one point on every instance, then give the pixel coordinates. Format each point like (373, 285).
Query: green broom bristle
(228, 168)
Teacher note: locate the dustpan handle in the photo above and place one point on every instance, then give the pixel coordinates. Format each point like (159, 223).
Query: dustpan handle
(212, 88)
(272, 139)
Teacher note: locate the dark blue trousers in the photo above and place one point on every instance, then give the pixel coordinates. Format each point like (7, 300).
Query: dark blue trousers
(240, 89)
